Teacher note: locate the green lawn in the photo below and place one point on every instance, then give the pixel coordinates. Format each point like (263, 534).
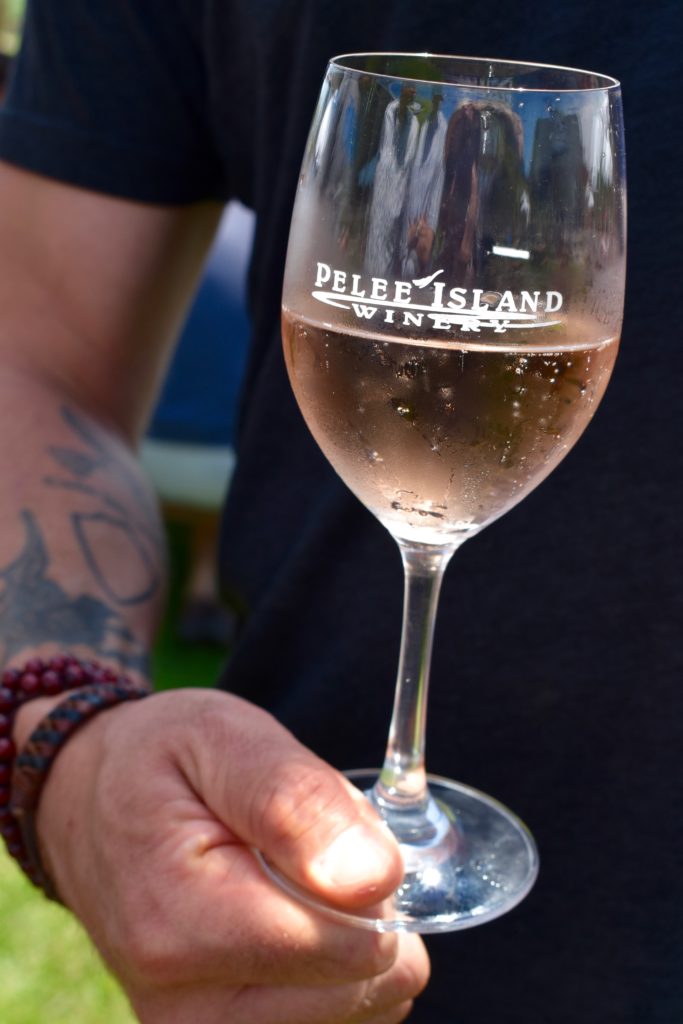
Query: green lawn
(48, 969)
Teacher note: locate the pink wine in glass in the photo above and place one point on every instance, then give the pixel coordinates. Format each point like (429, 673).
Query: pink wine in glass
(439, 439)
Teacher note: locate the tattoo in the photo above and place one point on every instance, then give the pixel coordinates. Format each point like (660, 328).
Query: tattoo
(100, 455)
(34, 609)
(81, 521)
(89, 492)
(115, 526)
(149, 530)
(93, 530)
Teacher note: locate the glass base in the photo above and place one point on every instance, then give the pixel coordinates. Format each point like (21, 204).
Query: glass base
(467, 859)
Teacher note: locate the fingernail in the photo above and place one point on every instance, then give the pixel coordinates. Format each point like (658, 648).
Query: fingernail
(355, 859)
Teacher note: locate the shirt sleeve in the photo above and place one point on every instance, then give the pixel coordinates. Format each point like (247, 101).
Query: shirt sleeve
(112, 96)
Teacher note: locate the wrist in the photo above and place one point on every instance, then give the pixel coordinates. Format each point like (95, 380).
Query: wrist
(29, 716)
(66, 805)
(44, 704)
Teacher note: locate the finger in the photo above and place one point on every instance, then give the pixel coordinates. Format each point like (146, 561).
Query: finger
(281, 1006)
(381, 1000)
(287, 1008)
(216, 1006)
(278, 796)
(385, 1000)
(224, 919)
(400, 1013)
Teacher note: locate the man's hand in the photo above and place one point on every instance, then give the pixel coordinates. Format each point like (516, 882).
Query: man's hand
(147, 822)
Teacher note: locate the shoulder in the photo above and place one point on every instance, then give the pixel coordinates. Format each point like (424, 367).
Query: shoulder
(112, 96)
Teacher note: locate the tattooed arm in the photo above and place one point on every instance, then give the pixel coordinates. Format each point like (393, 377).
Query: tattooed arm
(101, 595)
(149, 813)
(92, 290)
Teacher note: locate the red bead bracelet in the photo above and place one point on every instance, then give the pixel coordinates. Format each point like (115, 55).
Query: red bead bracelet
(22, 777)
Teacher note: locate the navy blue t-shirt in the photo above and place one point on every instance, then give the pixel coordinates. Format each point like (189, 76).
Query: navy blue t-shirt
(557, 670)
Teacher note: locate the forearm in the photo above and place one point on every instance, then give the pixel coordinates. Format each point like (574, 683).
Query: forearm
(82, 564)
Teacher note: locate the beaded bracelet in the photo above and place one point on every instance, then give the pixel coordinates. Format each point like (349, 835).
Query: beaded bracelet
(22, 778)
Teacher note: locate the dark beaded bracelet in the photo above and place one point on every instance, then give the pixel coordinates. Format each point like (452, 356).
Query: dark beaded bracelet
(22, 778)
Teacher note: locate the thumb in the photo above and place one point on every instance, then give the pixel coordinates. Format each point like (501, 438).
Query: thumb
(304, 816)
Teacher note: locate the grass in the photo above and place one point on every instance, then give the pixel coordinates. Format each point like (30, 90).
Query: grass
(48, 968)
(175, 663)
(49, 971)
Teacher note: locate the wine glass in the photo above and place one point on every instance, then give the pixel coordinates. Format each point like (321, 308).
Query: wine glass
(451, 313)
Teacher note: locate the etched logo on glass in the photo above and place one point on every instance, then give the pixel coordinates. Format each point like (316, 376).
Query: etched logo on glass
(428, 302)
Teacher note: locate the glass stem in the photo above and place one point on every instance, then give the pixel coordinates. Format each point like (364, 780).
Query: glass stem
(402, 782)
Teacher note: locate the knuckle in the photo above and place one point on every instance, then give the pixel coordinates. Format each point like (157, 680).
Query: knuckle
(146, 959)
(295, 803)
(382, 1008)
(412, 970)
(402, 1012)
(363, 956)
(146, 953)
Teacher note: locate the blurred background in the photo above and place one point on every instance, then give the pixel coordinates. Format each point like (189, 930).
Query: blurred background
(11, 15)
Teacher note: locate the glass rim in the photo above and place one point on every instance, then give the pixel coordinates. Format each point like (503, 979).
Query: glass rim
(609, 83)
